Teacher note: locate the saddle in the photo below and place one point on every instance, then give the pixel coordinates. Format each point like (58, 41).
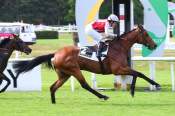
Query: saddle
(90, 52)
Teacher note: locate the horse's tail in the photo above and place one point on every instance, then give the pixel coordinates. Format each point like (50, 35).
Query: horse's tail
(25, 66)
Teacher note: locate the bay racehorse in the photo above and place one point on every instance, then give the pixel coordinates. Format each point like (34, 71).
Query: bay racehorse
(7, 46)
(67, 62)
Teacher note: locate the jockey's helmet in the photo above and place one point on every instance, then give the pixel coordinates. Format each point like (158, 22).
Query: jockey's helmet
(113, 17)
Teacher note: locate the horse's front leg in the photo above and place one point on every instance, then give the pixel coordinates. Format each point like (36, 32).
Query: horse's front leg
(4, 77)
(1, 78)
(141, 75)
(1, 81)
(138, 74)
(133, 86)
(135, 74)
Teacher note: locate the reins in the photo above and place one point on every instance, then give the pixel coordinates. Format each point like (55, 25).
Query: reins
(3, 49)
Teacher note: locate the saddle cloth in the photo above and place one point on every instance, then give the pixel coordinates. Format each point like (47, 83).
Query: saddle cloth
(90, 52)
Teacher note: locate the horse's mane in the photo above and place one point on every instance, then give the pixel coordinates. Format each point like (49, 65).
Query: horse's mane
(4, 42)
(125, 33)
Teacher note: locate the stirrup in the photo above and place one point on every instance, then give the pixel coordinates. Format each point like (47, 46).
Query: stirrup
(98, 54)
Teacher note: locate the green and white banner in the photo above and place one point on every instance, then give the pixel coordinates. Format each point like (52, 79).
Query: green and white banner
(171, 9)
(155, 22)
(86, 11)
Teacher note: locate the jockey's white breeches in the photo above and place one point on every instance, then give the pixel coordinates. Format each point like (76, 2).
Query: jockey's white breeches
(93, 33)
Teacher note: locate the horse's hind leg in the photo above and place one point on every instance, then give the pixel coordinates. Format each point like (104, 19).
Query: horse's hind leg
(78, 75)
(62, 79)
(4, 77)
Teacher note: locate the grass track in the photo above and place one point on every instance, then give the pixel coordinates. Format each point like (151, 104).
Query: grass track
(82, 103)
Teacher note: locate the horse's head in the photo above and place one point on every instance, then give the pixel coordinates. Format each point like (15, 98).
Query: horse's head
(145, 39)
(20, 45)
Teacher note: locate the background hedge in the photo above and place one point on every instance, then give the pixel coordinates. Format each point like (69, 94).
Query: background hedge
(47, 34)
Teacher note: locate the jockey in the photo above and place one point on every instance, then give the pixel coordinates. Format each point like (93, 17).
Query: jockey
(102, 30)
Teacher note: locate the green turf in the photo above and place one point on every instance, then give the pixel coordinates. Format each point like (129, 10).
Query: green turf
(81, 102)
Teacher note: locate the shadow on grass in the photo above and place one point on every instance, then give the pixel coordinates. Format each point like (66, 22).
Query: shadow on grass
(132, 104)
(142, 104)
(164, 88)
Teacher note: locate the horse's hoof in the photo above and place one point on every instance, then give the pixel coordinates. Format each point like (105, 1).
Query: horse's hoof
(53, 102)
(2, 90)
(158, 87)
(132, 93)
(105, 98)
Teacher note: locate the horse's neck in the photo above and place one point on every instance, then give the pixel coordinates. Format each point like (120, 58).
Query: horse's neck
(9, 53)
(129, 40)
(9, 49)
(5, 55)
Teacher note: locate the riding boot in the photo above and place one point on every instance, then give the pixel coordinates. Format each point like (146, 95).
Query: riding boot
(100, 49)
(99, 55)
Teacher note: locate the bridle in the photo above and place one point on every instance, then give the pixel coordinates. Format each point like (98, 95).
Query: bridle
(141, 32)
(3, 49)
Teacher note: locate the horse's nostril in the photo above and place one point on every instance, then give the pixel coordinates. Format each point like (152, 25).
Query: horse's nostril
(155, 46)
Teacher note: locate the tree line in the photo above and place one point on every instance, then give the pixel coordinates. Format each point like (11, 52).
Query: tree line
(52, 12)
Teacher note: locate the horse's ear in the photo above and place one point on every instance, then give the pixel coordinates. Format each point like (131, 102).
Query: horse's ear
(140, 26)
(137, 27)
(16, 36)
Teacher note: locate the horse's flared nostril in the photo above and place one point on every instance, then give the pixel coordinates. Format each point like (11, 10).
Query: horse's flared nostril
(155, 46)
(30, 50)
